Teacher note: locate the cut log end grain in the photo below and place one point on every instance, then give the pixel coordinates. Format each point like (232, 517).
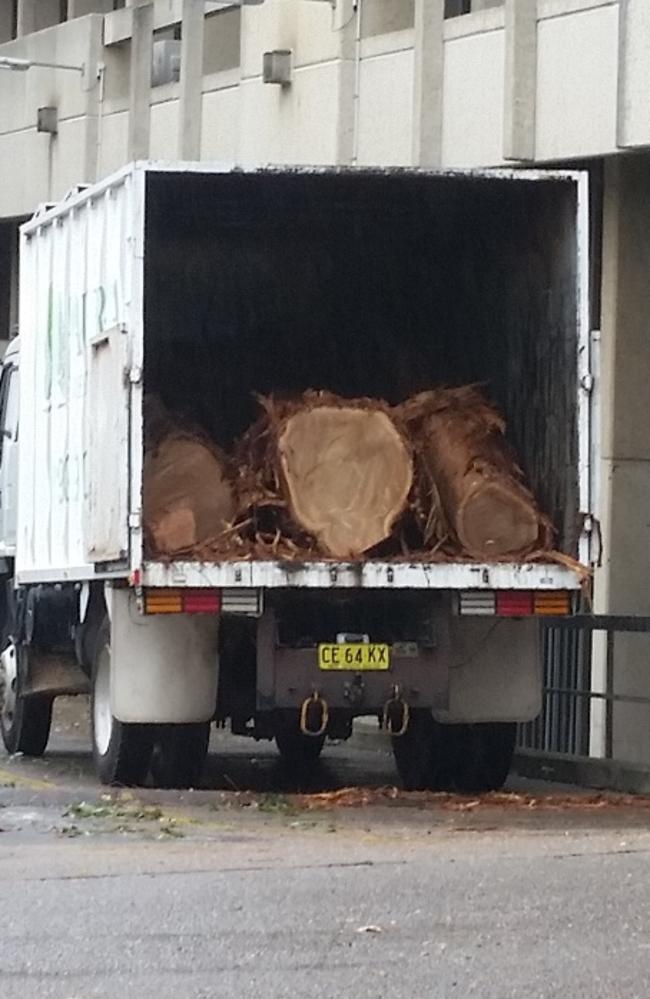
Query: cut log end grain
(494, 521)
(347, 473)
(187, 495)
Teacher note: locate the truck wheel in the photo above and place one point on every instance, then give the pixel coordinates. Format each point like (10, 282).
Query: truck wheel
(481, 755)
(419, 754)
(296, 748)
(179, 754)
(121, 752)
(24, 721)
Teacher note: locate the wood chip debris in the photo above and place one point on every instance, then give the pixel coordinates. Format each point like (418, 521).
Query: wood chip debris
(355, 797)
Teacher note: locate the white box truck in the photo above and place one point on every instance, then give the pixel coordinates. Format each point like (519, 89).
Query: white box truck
(205, 285)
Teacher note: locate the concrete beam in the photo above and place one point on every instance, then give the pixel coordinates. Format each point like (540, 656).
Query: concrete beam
(428, 78)
(191, 82)
(140, 84)
(520, 80)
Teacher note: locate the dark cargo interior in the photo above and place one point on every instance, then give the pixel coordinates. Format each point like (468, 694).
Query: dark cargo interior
(368, 283)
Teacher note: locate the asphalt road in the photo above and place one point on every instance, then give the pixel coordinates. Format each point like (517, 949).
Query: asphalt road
(246, 889)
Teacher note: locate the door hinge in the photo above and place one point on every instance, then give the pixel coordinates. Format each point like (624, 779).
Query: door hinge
(135, 520)
(587, 383)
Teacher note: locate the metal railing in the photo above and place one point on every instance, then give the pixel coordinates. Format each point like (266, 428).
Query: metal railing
(564, 724)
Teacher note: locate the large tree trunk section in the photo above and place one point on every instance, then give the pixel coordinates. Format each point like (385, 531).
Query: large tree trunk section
(470, 472)
(342, 468)
(188, 498)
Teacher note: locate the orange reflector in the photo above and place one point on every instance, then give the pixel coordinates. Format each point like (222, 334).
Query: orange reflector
(553, 604)
(163, 601)
(514, 603)
(168, 601)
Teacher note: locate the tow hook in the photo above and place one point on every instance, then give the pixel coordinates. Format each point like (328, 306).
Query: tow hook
(314, 715)
(396, 715)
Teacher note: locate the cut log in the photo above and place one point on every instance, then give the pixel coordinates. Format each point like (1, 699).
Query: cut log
(188, 499)
(342, 468)
(469, 474)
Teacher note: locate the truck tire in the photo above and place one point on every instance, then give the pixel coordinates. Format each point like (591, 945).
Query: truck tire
(24, 721)
(420, 754)
(481, 755)
(296, 749)
(121, 752)
(179, 754)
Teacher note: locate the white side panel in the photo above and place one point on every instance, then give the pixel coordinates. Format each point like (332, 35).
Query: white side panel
(386, 109)
(219, 129)
(473, 97)
(634, 70)
(164, 128)
(298, 131)
(164, 668)
(114, 141)
(577, 69)
(76, 285)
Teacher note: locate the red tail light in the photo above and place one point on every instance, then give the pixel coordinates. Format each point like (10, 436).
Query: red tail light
(514, 603)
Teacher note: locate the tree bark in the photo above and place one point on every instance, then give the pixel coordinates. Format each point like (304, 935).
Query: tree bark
(471, 488)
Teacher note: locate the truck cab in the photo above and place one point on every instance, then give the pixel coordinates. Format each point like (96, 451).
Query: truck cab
(9, 452)
(36, 663)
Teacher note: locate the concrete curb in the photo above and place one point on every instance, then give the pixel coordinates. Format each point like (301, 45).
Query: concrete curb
(607, 775)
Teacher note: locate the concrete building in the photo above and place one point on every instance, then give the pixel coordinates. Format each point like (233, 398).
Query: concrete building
(441, 83)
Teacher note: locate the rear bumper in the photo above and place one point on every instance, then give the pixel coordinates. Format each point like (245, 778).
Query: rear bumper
(363, 575)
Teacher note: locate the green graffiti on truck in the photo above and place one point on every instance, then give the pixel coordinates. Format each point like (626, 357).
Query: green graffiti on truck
(72, 323)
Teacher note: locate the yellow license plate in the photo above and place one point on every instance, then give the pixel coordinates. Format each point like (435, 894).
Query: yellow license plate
(353, 655)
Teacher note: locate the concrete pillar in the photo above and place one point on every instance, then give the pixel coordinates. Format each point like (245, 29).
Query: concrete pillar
(428, 70)
(5, 281)
(622, 585)
(346, 24)
(93, 86)
(520, 80)
(6, 20)
(140, 85)
(191, 82)
(33, 15)
(13, 281)
(26, 18)
(79, 8)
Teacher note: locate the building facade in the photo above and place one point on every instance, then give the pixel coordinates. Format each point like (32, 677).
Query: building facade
(437, 83)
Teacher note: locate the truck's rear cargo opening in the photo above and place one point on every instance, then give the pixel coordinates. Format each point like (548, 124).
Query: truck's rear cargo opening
(376, 284)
